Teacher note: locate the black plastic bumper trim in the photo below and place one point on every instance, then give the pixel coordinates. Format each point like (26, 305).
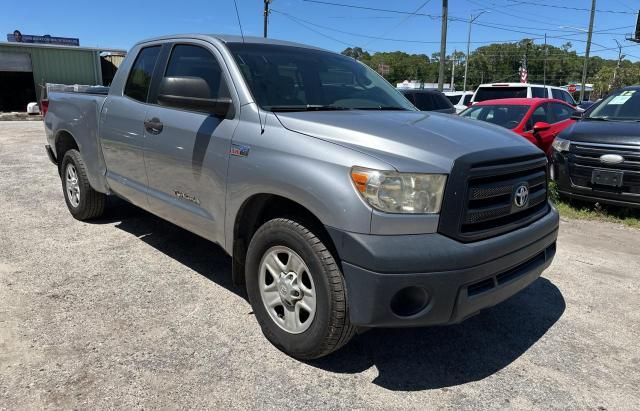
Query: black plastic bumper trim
(370, 293)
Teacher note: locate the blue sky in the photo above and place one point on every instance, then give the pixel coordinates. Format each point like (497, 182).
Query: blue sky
(119, 24)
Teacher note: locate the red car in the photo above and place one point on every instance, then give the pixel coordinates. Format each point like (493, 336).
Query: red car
(539, 120)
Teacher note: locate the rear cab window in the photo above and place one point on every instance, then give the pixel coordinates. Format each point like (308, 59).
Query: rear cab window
(137, 86)
(495, 93)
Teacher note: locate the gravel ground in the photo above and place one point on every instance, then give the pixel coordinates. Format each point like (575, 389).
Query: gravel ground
(133, 312)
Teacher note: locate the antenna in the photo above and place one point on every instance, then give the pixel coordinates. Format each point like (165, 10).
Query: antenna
(235, 3)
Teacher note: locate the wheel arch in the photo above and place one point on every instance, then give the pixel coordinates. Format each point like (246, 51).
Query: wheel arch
(260, 208)
(63, 142)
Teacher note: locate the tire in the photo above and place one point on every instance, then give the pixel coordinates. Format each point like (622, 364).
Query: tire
(83, 202)
(326, 329)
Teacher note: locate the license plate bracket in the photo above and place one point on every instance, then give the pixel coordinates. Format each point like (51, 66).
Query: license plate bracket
(607, 178)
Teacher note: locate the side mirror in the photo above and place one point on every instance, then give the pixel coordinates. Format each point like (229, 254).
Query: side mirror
(541, 126)
(192, 93)
(577, 115)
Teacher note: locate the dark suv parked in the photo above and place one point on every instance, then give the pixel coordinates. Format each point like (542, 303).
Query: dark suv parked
(429, 100)
(598, 158)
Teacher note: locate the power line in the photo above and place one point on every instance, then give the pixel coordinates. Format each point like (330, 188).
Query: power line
(402, 21)
(451, 18)
(306, 23)
(383, 38)
(295, 20)
(353, 6)
(500, 9)
(553, 6)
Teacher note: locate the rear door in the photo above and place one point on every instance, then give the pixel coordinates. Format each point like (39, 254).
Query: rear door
(187, 150)
(122, 130)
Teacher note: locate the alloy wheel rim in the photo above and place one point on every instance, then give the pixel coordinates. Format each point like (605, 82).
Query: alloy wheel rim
(287, 289)
(72, 186)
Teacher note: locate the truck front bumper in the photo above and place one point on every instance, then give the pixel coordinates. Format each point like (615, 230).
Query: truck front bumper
(431, 279)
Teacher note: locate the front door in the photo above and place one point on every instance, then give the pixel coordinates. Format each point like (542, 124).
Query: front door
(560, 119)
(543, 138)
(186, 152)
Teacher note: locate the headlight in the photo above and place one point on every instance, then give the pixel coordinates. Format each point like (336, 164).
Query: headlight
(560, 144)
(404, 193)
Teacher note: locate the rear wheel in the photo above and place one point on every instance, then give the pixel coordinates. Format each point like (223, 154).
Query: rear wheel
(297, 290)
(83, 202)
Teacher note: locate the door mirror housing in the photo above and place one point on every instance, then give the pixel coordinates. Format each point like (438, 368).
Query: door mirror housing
(192, 93)
(577, 115)
(541, 126)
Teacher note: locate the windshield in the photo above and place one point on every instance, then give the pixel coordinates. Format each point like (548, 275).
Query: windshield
(620, 106)
(287, 78)
(495, 93)
(507, 116)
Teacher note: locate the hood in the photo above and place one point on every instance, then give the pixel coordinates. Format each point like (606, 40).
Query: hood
(604, 132)
(410, 141)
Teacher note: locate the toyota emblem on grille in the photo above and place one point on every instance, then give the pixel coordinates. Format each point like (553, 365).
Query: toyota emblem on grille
(521, 196)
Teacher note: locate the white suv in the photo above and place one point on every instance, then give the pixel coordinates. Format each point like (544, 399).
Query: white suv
(460, 99)
(497, 91)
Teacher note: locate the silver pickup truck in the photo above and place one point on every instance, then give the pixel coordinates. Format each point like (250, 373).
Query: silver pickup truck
(343, 207)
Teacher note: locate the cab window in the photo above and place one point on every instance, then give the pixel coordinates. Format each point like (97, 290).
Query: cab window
(197, 62)
(137, 86)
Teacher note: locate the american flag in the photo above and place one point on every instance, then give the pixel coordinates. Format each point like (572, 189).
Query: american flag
(524, 74)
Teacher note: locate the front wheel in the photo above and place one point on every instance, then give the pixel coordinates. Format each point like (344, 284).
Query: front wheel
(297, 290)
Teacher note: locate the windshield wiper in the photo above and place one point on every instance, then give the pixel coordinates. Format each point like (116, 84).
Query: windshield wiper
(597, 118)
(307, 107)
(381, 108)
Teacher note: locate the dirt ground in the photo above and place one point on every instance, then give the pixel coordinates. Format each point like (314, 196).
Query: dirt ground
(133, 312)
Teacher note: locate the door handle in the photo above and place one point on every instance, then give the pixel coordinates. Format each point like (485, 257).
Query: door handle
(153, 126)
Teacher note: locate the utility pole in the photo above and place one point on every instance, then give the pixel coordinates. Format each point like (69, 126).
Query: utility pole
(588, 50)
(615, 72)
(266, 16)
(443, 43)
(466, 59)
(545, 60)
(453, 70)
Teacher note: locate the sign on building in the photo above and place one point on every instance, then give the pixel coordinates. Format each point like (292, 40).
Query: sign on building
(17, 37)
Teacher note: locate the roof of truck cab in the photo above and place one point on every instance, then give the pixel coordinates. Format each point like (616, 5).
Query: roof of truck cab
(227, 38)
